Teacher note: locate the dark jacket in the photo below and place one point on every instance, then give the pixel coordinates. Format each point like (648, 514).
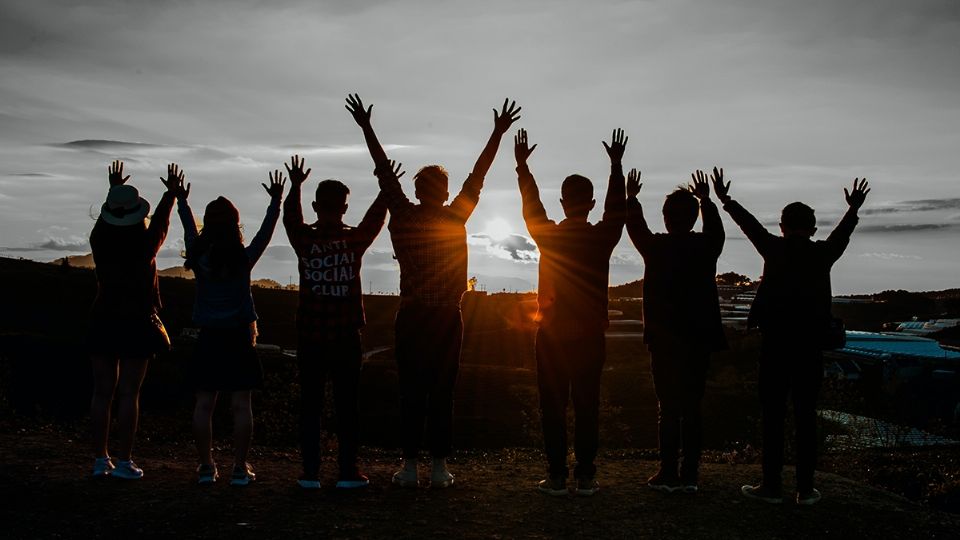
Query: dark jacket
(680, 301)
(794, 295)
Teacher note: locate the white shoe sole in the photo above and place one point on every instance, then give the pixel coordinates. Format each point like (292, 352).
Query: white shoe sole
(663, 488)
(747, 492)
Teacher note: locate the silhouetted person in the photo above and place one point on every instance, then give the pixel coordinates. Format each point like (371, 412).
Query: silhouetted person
(430, 243)
(681, 319)
(125, 328)
(225, 358)
(329, 317)
(792, 310)
(572, 310)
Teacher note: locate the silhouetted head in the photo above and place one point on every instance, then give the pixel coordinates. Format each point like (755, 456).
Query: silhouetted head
(330, 201)
(797, 220)
(576, 196)
(430, 184)
(680, 210)
(220, 239)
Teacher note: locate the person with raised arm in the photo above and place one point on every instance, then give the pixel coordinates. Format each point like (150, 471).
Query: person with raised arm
(329, 317)
(225, 358)
(572, 310)
(430, 243)
(125, 329)
(792, 310)
(681, 319)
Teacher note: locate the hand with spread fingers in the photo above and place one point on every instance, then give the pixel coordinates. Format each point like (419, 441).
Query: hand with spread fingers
(277, 181)
(617, 146)
(390, 171)
(722, 190)
(700, 188)
(633, 183)
(505, 118)
(174, 182)
(856, 197)
(115, 174)
(360, 115)
(295, 169)
(521, 149)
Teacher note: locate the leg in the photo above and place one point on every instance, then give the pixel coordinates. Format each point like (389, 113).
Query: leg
(411, 336)
(203, 426)
(773, 402)
(667, 368)
(585, 388)
(105, 374)
(346, 381)
(806, 388)
(694, 381)
(446, 366)
(554, 386)
(311, 378)
(242, 425)
(132, 372)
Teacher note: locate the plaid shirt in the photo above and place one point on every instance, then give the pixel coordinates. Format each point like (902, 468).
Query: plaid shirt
(574, 258)
(329, 259)
(430, 243)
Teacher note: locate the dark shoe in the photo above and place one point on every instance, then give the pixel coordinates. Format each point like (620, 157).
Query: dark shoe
(242, 475)
(761, 493)
(810, 498)
(665, 483)
(554, 486)
(353, 480)
(207, 473)
(587, 487)
(689, 482)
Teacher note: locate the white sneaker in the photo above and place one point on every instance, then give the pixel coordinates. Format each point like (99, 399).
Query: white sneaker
(809, 499)
(441, 478)
(127, 470)
(102, 466)
(406, 478)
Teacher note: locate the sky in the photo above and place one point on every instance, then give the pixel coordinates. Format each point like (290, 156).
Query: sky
(793, 99)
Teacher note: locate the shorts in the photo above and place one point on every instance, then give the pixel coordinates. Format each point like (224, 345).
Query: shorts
(127, 337)
(225, 360)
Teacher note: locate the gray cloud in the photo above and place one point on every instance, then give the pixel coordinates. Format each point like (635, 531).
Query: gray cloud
(515, 246)
(923, 205)
(905, 227)
(55, 244)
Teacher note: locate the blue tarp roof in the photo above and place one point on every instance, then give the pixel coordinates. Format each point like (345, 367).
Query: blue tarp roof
(872, 343)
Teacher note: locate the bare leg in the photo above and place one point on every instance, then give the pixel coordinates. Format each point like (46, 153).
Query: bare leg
(242, 425)
(203, 426)
(132, 371)
(104, 386)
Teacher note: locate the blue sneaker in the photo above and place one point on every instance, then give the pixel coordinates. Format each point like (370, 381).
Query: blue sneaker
(102, 467)
(242, 475)
(127, 470)
(207, 473)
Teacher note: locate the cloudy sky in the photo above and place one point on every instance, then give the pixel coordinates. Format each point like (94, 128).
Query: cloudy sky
(794, 99)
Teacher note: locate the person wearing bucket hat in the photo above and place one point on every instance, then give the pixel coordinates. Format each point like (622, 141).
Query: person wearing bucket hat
(125, 330)
(225, 358)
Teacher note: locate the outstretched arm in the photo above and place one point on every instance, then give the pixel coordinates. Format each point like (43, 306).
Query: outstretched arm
(362, 118)
(840, 236)
(292, 210)
(189, 223)
(388, 175)
(464, 203)
(637, 227)
(615, 204)
(534, 214)
(262, 239)
(758, 235)
(160, 221)
(372, 221)
(712, 226)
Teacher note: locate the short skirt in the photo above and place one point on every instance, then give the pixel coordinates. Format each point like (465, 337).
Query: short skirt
(225, 360)
(127, 337)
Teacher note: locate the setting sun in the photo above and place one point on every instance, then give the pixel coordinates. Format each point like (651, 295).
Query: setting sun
(498, 229)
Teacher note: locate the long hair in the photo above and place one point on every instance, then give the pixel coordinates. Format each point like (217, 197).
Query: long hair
(221, 241)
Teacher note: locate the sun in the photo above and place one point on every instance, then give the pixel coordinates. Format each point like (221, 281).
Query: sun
(498, 229)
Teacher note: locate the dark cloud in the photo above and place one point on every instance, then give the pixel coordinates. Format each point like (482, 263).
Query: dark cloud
(55, 244)
(905, 227)
(107, 146)
(922, 205)
(33, 175)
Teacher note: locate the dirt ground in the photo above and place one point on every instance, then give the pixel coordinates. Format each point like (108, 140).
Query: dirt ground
(47, 495)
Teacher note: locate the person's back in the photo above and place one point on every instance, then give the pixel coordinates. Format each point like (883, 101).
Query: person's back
(126, 269)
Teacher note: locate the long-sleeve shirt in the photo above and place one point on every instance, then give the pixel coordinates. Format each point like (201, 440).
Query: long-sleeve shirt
(430, 242)
(226, 302)
(574, 258)
(680, 302)
(126, 264)
(329, 259)
(794, 295)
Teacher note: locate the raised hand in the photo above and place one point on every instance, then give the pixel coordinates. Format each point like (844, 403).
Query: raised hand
(296, 172)
(633, 183)
(115, 174)
(506, 117)
(856, 197)
(617, 146)
(722, 190)
(174, 182)
(520, 148)
(392, 170)
(277, 181)
(360, 115)
(700, 188)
